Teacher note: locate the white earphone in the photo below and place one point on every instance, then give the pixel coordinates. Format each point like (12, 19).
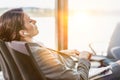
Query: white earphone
(25, 33)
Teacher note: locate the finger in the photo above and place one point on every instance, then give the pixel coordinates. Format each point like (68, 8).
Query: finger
(77, 52)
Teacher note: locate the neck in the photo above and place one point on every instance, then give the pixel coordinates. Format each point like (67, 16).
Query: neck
(27, 39)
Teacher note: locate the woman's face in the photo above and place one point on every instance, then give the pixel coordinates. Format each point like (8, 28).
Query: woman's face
(30, 25)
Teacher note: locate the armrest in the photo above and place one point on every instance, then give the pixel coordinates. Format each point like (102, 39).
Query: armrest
(103, 60)
(107, 61)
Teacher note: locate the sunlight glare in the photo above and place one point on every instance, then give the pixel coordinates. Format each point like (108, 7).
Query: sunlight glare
(82, 29)
(82, 23)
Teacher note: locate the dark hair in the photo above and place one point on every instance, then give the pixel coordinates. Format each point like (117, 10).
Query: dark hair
(11, 22)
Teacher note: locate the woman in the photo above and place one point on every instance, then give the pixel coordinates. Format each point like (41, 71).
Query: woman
(16, 25)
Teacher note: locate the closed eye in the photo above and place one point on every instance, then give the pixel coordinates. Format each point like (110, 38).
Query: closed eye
(30, 21)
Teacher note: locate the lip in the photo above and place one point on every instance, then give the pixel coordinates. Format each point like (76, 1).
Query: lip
(36, 27)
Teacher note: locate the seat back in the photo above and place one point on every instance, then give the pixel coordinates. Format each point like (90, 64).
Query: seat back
(114, 42)
(8, 65)
(25, 65)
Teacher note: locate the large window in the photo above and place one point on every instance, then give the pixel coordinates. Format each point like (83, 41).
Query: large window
(40, 10)
(92, 22)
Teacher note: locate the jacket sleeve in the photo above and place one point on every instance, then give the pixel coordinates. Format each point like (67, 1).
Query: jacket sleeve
(55, 70)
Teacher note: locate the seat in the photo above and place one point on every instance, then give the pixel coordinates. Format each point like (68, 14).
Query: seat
(114, 42)
(8, 66)
(18, 63)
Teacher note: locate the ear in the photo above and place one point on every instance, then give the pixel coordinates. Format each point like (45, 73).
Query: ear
(21, 32)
